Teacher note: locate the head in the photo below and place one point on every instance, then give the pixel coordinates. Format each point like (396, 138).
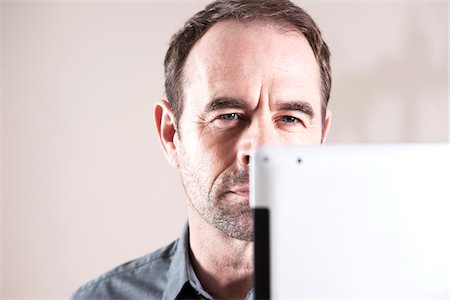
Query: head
(281, 12)
(240, 74)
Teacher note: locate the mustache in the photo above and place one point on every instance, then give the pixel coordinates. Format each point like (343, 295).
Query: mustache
(239, 177)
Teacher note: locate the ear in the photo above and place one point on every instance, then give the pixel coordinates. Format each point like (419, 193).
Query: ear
(326, 126)
(167, 131)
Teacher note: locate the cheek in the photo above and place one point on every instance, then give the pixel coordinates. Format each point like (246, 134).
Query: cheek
(218, 147)
(309, 136)
(214, 156)
(209, 151)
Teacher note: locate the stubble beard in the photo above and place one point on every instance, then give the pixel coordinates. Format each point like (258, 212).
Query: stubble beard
(217, 206)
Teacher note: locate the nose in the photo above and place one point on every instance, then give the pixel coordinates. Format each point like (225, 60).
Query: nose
(259, 132)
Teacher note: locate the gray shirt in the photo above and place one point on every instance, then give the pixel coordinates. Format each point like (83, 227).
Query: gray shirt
(164, 274)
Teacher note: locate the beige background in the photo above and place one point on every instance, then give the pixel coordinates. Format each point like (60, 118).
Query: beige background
(84, 184)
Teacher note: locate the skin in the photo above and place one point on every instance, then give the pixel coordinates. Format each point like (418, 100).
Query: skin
(246, 85)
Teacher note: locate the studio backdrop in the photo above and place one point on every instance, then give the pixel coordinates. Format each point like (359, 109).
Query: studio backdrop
(84, 184)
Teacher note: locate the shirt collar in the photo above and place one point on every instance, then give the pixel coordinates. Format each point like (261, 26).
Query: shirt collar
(181, 272)
(194, 281)
(177, 274)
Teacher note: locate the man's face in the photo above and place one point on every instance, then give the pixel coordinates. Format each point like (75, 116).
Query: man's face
(246, 85)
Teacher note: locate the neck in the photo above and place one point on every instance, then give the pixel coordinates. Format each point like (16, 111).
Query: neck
(223, 265)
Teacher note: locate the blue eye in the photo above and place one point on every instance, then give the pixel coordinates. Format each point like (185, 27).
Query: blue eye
(229, 117)
(289, 119)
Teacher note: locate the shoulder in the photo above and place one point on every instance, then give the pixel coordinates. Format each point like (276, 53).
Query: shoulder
(143, 277)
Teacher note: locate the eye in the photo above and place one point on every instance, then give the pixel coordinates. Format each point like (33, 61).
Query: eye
(229, 117)
(291, 122)
(289, 119)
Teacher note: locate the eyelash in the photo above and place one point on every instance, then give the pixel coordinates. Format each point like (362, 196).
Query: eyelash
(223, 117)
(294, 119)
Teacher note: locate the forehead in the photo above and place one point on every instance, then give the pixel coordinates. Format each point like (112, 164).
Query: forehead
(247, 56)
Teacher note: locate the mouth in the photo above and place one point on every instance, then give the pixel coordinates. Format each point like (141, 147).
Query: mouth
(241, 191)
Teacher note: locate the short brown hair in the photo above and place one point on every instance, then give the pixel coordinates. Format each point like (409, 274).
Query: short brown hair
(278, 11)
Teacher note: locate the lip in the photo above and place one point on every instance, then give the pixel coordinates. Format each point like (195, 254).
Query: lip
(241, 191)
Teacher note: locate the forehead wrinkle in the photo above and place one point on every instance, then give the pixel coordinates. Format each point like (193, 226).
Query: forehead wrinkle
(228, 72)
(230, 68)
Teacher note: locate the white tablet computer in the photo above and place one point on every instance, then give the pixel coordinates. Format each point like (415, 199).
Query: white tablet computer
(352, 221)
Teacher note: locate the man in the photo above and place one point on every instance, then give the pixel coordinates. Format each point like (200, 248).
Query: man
(239, 74)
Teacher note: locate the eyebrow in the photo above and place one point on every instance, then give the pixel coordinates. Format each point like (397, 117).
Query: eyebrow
(224, 103)
(228, 102)
(301, 106)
